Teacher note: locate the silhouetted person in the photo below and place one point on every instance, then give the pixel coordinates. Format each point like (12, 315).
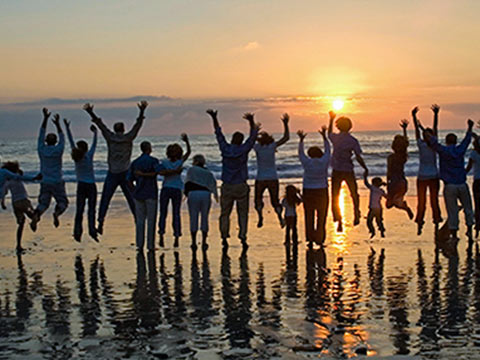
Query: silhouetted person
(86, 187)
(200, 184)
(234, 176)
(172, 187)
(344, 146)
(454, 177)
(20, 202)
(375, 209)
(427, 177)
(397, 184)
(145, 194)
(315, 187)
(50, 153)
(292, 199)
(267, 177)
(119, 146)
(474, 162)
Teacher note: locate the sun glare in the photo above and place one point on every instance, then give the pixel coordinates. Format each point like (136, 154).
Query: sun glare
(338, 104)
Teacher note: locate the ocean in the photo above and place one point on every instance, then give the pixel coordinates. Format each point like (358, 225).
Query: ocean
(375, 146)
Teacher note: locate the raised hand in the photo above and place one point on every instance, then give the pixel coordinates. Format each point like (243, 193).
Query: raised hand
(212, 113)
(93, 128)
(285, 118)
(142, 105)
(332, 115)
(46, 113)
(66, 122)
(248, 116)
(56, 120)
(88, 108)
(415, 111)
(323, 131)
(184, 137)
(404, 124)
(435, 108)
(470, 124)
(301, 134)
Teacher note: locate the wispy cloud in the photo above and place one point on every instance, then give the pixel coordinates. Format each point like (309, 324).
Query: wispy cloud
(250, 46)
(77, 101)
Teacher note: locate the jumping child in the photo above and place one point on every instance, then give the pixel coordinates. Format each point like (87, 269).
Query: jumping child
(292, 199)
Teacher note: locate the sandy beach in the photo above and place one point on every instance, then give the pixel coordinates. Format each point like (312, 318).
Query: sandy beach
(62, 299)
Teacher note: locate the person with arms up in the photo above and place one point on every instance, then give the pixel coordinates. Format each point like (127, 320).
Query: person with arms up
(86, 187)
(120, 146)
(344, 146)
(50, 153)
(454, 177)
(145, 193)
(267, 177)
(474, 163)
(315, 187)
(427, 177)
(234, 176)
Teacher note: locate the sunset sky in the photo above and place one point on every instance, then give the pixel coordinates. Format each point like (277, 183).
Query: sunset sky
(381, 57)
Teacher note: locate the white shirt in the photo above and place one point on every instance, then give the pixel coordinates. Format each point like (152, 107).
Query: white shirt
(266, 167)
(376, 195)
(289, 210)
(315, 170)
(427, 168)
(475, 157)
(17, 189)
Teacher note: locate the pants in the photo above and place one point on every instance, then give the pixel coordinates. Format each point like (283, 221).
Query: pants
(337, 178)
(315, 203)
(199, 203)
(452, 194)
(476, 198)
(433, 185)
(85, 191)
(21, 208)
(57, 191)
(145, 212)
(396, 191)
(175, 195)
(231, 193)
(272, 186)
(291, 229)
(112, 181)
(376, 214)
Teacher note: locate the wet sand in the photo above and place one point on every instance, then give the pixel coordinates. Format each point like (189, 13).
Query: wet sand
(404, 299)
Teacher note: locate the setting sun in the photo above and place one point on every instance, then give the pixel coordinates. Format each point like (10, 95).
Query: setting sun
(338, 104)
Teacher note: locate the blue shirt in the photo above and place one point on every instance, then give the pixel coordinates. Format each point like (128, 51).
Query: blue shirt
(51, 158)
(235, 157)
(172, 181)
(84, 167)
(145, 186)
(8, 175)
(452, 160)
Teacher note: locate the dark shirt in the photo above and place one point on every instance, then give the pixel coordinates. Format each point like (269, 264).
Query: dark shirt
(146, 187)
(190, 186)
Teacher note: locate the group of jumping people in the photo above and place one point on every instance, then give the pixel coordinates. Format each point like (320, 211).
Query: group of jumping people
(138, 180)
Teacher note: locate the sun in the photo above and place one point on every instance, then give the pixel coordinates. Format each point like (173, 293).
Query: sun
(338, 104)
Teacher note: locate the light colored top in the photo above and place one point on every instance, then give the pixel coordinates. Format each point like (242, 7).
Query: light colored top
(6, 175)
(376, 195)
(51, 158)
(172, 181)
(84, 167)
(315, 171)
(344, 146)
(16, 188)
(427, 167)
(119, 146)
(475, 157)
(266, 167)
(289, 210)
(203, 177)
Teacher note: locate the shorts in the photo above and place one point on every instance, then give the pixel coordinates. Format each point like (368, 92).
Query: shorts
(20, 208)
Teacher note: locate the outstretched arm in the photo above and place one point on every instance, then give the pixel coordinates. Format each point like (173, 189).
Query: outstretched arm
(214, 115)
(467, 139)
(189, 150)
(93, 147)
(43, 128)
(326, 143)
(61, 135)
(436, 109)
(286, 131)
(404, 126)
(330, 121)
(69, 133)
(138, 124)
(415, 122)
(365, 181)
(222, 142)
(301, 147)
(254, 128)
(96, 120)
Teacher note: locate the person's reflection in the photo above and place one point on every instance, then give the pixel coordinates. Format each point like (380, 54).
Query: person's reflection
(291, 272)
(166, 297)
(24, 299)
(88, 309)
(201, 291)
(476, 295)
(180, 307)
(108, 291)
(237, 311)
(397, 298)
(316, 287)
(375, 274)
(153, 289)
(57, 310)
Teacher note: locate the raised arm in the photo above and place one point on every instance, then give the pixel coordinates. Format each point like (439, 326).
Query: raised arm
(468, 137)
(97, 121)
(254, 128)
(415, 122)
(286, 131)
(301, 147)
(138, 124)
(326, 143)
(187, 143)
(93, 147)
(404, 126)
(43, 128)
(222, 142)
(61, 135)
(436, 109)
(332, 116)
(69, 133)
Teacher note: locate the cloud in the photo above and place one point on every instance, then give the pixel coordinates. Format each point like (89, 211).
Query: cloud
(250, 46)
(81, 101)
(463, 109)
